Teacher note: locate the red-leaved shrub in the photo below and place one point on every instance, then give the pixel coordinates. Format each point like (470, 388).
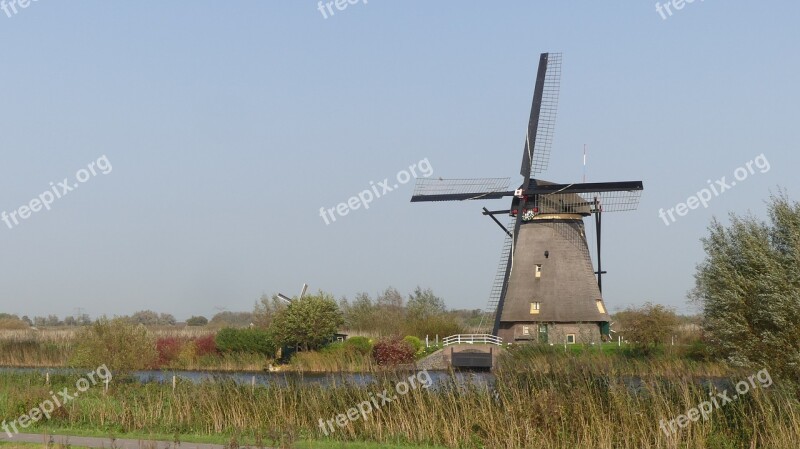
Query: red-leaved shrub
(206, 345)
(393, 351)
(168, 349)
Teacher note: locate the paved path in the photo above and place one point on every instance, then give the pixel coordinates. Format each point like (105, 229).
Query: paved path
(104, 443)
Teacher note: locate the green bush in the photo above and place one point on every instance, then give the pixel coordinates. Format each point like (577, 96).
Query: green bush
(246, 340)
(334, 347)
(415, 343)
(697, 351)
(361, 345)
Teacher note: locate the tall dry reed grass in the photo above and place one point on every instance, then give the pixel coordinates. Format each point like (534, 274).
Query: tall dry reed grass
(540, 401)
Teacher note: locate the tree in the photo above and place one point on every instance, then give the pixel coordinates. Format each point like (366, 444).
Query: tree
(118, 344)
(344, 307)
(197, 321)
(145, 317)
(360, 315)
(423, 304)
(265, 310)
(648, 326)
(749, 289)
(426, 314)
(309, 322)
(389, 313)
(235, 319)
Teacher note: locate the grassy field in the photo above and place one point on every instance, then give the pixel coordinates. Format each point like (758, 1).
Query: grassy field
(541, 399)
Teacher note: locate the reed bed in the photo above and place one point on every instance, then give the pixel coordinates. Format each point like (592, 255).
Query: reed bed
(332, 362)
(53, 348)
(34, 353)
(67, 334)
(43, 335)
(560, 402)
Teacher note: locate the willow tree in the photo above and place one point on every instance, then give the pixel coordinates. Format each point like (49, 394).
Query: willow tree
(749, 288)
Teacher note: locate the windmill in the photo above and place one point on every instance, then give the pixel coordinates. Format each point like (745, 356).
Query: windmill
(546, 288)
(288, 300)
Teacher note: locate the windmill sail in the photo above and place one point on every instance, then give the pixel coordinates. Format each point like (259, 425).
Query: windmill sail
(497, 287)
(542, 122)
(427, 189)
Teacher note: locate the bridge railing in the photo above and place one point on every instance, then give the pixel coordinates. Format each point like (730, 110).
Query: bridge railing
(460, 339)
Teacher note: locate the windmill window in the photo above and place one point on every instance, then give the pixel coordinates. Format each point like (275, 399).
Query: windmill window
(600, 307)
(571, 339)
(538, 270)
(535, 308)
(526, 330)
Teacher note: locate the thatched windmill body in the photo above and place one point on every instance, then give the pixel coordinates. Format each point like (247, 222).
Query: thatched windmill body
(546, 288)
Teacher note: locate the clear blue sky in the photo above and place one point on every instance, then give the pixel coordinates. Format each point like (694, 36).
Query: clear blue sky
(229, 124)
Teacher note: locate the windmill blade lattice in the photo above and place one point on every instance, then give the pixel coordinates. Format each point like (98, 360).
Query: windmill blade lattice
(427, 189)
(542, 124)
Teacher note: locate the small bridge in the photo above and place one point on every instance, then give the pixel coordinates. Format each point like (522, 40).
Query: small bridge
(471, 339)
(465, 351)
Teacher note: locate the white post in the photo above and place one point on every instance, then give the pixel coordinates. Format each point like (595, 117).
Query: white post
(437, 339)
(253, 384)
(427, 345)
(619, 340)
(108, 379)
(174, 383)
(47, 378)
(673, 340)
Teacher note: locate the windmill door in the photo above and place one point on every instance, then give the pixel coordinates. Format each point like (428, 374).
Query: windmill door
(542, 333)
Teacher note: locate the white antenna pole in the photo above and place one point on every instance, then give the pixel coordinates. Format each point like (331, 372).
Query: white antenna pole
(584, 162)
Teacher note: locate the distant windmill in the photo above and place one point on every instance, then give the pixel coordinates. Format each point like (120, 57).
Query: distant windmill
(288, 299)
(545, 289)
